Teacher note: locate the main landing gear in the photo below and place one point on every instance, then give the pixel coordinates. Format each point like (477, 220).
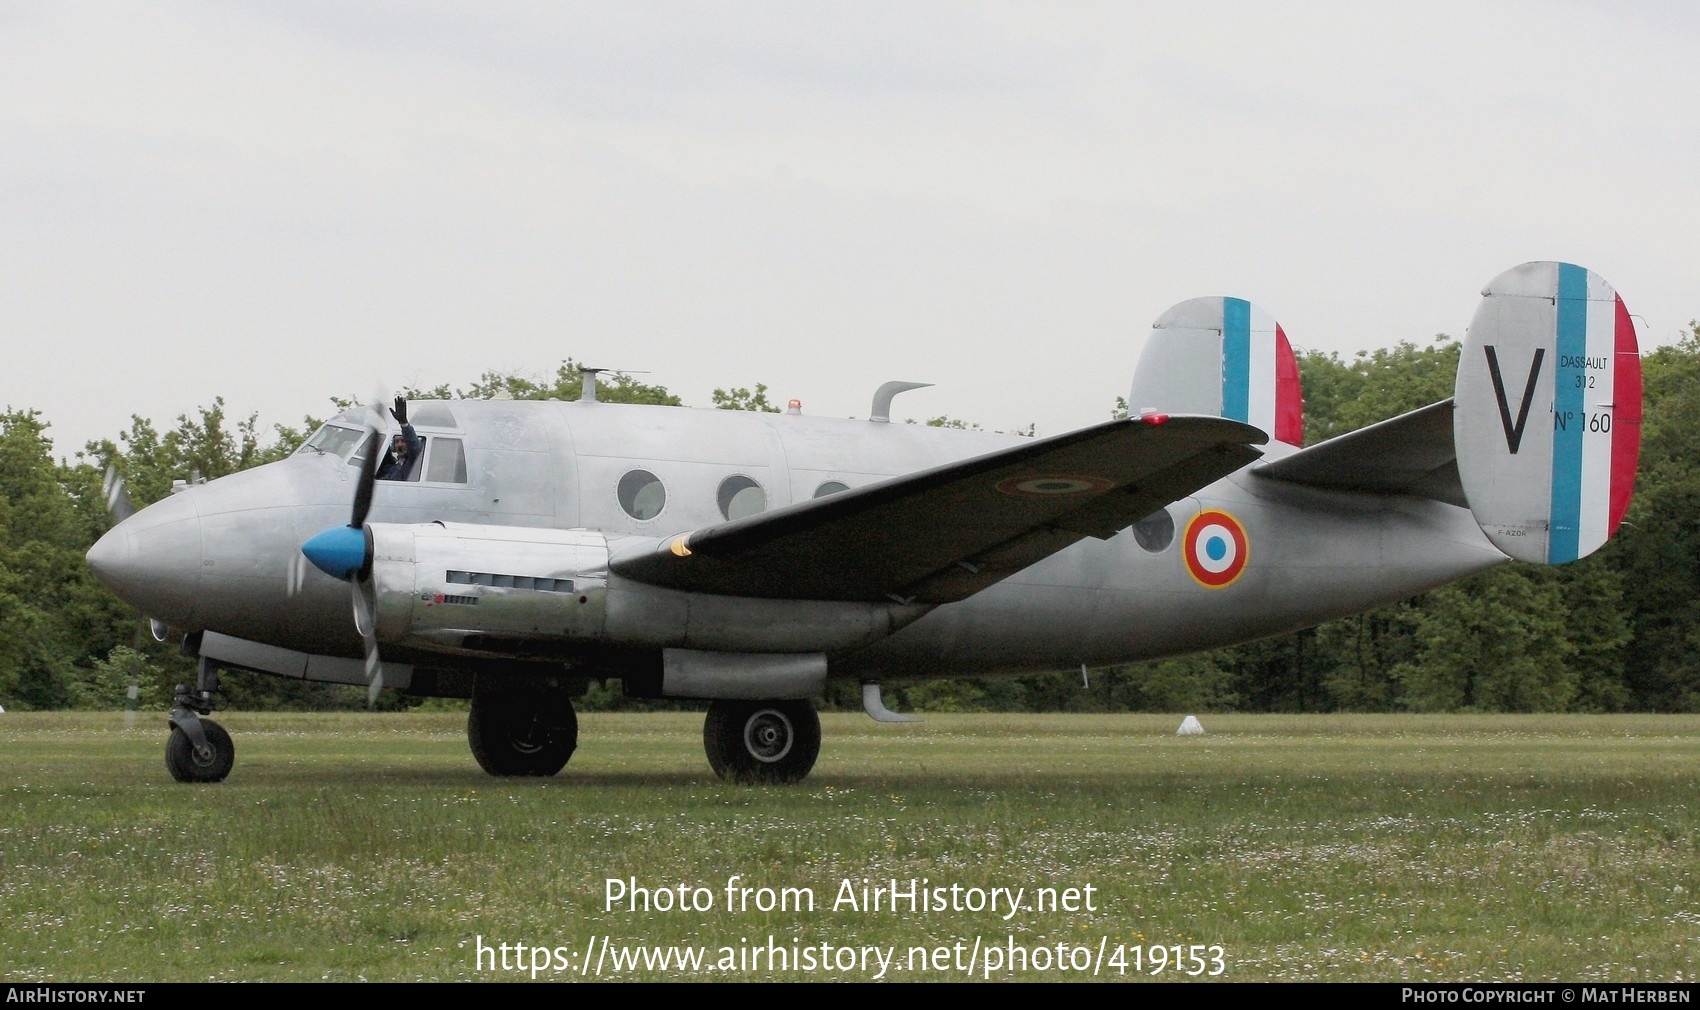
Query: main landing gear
(522, 732)
(199, 749)
(761, 742)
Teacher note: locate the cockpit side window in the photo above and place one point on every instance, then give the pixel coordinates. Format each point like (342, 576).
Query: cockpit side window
(443, 456)
(387, 469)
(446, 462)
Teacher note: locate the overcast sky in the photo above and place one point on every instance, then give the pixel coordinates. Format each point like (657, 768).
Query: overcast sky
(282, 202)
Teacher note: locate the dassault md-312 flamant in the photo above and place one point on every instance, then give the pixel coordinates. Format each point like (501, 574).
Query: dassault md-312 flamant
(746, 558)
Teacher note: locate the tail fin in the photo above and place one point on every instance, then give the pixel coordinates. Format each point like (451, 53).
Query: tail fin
(1224, 357)
(1547, 424)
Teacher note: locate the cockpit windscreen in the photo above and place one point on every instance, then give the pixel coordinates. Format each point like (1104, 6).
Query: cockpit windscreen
(333, 440)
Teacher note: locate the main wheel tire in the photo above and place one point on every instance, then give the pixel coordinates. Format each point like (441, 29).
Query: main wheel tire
(187, 766)
(761, 742)
(522, 734)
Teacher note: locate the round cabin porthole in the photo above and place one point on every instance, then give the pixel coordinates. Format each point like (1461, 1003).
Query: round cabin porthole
(1155, 532)
(740, 496)
(642, 494)
(831, 487)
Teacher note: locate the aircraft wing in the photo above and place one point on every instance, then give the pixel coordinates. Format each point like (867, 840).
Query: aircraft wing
(946, 533)
(1410, 454)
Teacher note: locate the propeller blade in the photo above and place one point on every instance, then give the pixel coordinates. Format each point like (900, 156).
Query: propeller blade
(374, 677)
(117, 499)
(379, 406)
(365, 622)
(368, 478)
(133, 693)
(293, 576)
(345, 552)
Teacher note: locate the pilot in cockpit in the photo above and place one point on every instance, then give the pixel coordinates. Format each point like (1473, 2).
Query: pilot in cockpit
(405, 448)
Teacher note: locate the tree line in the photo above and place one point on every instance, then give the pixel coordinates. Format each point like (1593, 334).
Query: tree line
(1617, 631)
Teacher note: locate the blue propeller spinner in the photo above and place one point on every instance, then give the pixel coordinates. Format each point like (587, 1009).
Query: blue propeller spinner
(340, 552)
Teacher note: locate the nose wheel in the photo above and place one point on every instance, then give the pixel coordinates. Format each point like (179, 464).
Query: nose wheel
(208, 761)
(761, 742)
(199, 749)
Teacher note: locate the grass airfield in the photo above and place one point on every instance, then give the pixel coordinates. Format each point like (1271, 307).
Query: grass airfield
(1305, 848)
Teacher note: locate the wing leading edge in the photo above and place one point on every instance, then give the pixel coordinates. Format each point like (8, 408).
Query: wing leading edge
(946, 533)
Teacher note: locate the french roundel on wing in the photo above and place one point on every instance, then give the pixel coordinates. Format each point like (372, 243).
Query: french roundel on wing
(1215, 549)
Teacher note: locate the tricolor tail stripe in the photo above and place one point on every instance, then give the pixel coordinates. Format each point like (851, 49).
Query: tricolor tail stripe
(1596, 422)
(1260, 376)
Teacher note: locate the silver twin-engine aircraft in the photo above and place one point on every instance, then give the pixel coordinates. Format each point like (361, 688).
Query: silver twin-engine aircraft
(532, 547)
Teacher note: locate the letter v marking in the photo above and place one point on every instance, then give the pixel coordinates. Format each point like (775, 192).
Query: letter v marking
(1513, 432)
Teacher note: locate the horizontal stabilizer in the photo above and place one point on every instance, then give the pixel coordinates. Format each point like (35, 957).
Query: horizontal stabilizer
(1409, 454)
(946, 533)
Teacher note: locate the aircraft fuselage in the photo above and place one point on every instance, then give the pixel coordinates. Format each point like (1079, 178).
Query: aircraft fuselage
(225, 557)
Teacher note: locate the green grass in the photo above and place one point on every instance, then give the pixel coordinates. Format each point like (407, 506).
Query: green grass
(1308, 848)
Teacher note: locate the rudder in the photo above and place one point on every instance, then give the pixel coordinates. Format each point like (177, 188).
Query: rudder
(1547, 424)
(1224, 357)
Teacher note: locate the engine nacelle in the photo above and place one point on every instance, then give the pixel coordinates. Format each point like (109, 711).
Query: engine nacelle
(520, 591)
(459, 587)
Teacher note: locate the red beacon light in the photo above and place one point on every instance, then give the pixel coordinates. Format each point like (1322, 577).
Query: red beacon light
(1153, 417)
(793, 406)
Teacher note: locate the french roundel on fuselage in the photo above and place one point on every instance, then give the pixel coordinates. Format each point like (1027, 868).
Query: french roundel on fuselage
(1215, 549)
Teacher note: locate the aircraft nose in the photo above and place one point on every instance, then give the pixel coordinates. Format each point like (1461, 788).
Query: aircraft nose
(152, 560)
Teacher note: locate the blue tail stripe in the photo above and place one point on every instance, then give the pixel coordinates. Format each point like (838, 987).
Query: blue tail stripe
(1236, 359)
(1571, 419)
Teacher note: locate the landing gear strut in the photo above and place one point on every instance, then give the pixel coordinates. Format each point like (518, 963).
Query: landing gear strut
(522, 733)
(199, 749)
(761, 742)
